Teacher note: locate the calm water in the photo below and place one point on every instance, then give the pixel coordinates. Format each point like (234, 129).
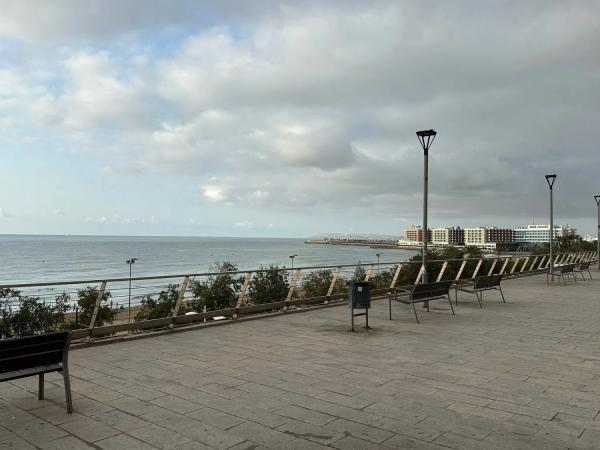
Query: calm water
(27, 259)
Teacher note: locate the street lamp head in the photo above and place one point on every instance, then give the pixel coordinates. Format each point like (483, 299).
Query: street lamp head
(597, 198)
(551, 179)
(426, 138)
(131, 261)
(293, 256)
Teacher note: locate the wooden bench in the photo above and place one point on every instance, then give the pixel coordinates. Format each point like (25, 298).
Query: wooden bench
(581, 268)
(421, 293)
(561, 271)
(482, 283)
(37, 355)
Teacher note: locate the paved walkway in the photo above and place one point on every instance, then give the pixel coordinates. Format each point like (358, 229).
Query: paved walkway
(519, 375)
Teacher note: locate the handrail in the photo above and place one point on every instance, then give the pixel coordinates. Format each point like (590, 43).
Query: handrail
(260, 269)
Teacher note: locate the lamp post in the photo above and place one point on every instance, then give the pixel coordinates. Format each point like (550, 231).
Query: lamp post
(378, 277)
(292, 258)
(597, 198)
(130, 262)
(550, 179)
(426, 138)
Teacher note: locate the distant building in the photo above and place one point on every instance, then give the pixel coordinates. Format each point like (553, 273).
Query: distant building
(447, 236)
(487, 237)
(539, 234)
(415, 234)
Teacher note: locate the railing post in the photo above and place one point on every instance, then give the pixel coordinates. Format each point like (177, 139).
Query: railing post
(396, 275)
(420, 274)
(97, 306)
(476, 271)
(243, 290)
(460, 270)
(525, 264)
(442, 270)
(504, 265)
(491, 271)
(515, 265)
(182, 289)
(295, 277)
(369, 273)
(336, 274)
(533, 263)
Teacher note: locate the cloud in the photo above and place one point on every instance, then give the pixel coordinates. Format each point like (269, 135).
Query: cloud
(58, 212)
(243, 225)
(5, 214)
(289, 109)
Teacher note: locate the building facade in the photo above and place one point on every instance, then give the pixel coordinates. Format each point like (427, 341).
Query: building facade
(415, 234)
(539, 234)
(487, 237)
(447, 236)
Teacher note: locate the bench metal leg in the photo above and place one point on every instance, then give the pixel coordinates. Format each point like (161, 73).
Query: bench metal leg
(41, 387)
(479, 299)
(451, 307)
(502, 294)
(415, 311)
(65, 374)
(390, 304)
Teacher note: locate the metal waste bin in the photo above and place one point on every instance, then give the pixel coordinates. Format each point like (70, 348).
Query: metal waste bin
(359, 297)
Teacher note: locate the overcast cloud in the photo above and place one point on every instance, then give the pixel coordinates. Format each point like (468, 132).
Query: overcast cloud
(289, 119)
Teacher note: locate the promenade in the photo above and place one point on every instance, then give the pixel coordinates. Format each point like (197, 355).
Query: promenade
(525, 374)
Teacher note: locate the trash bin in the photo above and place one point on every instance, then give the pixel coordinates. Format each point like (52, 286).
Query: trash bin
(359, 296)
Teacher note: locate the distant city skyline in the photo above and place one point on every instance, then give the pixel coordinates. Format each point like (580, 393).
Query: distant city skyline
(222, 118)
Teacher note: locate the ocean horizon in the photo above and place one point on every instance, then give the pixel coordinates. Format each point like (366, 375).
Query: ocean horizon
(45, 258)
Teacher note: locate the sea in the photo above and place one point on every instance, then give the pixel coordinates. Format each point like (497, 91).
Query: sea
(38, 259)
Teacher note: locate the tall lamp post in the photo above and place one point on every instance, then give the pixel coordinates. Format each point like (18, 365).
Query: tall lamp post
(597, 198)
(550, 179)
(426, 138)
(292, 258)
(130, 262)
(378, 277)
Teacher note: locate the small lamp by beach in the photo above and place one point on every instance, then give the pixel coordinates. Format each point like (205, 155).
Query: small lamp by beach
(426, 138)
(292, 258)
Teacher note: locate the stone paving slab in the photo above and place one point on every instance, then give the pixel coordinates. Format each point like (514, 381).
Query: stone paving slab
(525, 374)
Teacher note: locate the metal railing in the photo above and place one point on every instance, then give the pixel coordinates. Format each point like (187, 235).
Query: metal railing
(190, 298)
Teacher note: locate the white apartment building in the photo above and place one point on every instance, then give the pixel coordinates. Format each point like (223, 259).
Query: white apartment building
(539, 234)
(447, 236)
(487, 237)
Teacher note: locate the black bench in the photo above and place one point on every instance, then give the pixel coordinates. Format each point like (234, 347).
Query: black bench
(581, 268)
(37, 355)
(561, 271)
(482, 283)
(421, 293)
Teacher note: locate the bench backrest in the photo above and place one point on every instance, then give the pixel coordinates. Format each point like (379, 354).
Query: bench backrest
(488, 281)
(584, 265)
(33, 351)
(430, 290)
(566, 268)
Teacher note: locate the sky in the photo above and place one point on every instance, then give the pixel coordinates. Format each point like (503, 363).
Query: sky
(289, 119)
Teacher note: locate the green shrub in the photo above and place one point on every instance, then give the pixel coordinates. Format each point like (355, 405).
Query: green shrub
(268, 285)
(218, 291)
(86, 302)
(162, 306)
(316, 284)
(22, 315)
